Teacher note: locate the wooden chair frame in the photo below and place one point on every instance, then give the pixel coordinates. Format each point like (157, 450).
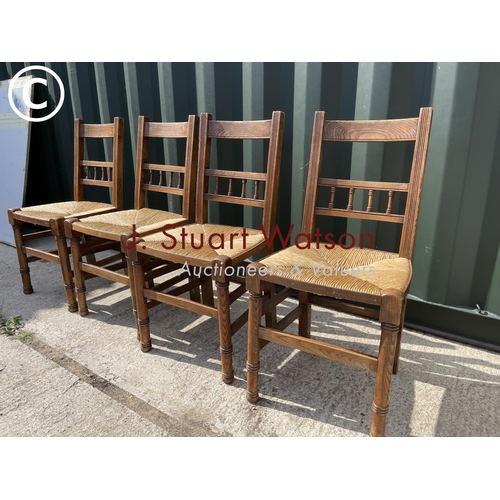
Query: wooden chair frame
(389, 306)
(145, 298)
(86, 173)
(115, 267)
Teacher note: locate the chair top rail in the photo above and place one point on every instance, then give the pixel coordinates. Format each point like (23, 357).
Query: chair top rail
(400, 130)
(174, 130)
(97, 130)
(258, 129)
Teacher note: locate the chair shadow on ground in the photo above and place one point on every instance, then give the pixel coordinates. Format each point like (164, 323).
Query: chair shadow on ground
(333, 393)
(302, 384)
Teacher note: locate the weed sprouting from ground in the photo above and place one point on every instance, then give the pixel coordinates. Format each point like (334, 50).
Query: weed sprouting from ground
(12, 327)
(24, 336)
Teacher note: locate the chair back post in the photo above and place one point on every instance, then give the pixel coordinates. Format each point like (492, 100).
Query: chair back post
(315, 161)
(203, 162)
(117, 189)
(141, 157)
(77, 161)
(407, 242)
(273, 171)
(191, 164)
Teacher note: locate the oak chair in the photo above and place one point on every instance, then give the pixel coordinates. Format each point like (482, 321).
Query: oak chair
(379, 294)
(202, 245)
(86, 173)
(108, 230)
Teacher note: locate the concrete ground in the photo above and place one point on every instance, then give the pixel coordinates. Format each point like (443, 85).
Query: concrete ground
(86, 376)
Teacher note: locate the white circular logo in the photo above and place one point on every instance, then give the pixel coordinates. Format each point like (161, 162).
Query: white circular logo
(27, 93)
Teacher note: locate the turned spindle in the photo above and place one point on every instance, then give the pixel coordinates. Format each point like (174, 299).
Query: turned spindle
(256, 190)
(332, 197)
(369, 208)
(351, 198)
(389, 203)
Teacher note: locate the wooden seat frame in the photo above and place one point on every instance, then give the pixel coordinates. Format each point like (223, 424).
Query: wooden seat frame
(145, 298)
(86, 173)
(150, 177)
(389, 306)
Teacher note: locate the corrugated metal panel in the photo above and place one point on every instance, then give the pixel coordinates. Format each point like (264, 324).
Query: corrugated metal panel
(457, 253)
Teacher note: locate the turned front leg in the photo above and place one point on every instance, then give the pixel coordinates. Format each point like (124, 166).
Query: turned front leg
(76, 255)
(57, 226)
(130, 274)
(219, 266)
(398, 345)
(387, 351)
(139, 302)
(24, 269)
(253, 346)
(253, 343)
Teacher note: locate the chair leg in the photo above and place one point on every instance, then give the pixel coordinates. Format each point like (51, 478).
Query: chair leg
(151, 282)
(69, 286)
(130, 274)
(271, 314)
(57, 226)
(207, 292)
(305, 316)
(219, 266)
(81, 289)
(387, 351)
(76, 255)
(126, 268)
(194, 293)
(137, 285)
(90, 258)
(398, 345)
(24, 269)
(253, 349)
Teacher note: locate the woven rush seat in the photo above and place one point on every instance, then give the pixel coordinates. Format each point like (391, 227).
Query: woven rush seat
(203, 242)
(357, 269)
(114, 224)
(65, 209)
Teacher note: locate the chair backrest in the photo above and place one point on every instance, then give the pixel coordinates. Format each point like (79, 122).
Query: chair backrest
(249, 190)
(107, 174)
(415, 130)
(169, 179)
